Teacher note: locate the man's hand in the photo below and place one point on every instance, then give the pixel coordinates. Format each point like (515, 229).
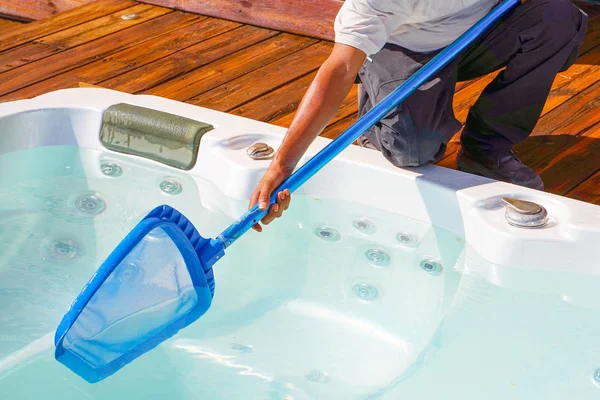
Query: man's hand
(272, 178)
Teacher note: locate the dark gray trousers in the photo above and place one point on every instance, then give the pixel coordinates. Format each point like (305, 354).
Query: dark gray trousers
(534, 42)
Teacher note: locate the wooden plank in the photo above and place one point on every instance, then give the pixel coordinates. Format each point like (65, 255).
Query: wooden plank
(75, 36)
(174, 41)
(231, 67)
(26, 53)
(277, 103)
(88, 86)
(335, 129)
(68, 60)
(37, 9)
(305, 17)
(6, 24)
(189, 59)
(103, 26)
(588, 190)
(574, 116)
(186, 34)
(348, 107)
(37, 29)
(579, 77)
(68, 79)
(573, 163)
(252, 85)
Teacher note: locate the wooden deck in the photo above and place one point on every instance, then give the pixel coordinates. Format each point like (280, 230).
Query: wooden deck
(263, 73)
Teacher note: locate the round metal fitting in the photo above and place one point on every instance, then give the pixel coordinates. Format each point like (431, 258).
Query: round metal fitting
(596, 376)
(365, 292)
(364, 225)
(127, 17)
(90, 203)
(328, 234)
(524, 214)
(260, 151)
(407, 239)
(377, 257)
(63, 250)
(170, 186)
(431, 266)
(111, 169)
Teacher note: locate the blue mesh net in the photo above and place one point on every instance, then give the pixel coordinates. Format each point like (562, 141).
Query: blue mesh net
(148, 290)
(152, 285)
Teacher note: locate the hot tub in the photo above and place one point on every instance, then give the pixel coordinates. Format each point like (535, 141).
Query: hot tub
(378, 283)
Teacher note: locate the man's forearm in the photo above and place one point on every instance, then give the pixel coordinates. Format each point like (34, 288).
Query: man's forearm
(320, 103)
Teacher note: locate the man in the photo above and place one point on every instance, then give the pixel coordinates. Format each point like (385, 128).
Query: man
(380, 43)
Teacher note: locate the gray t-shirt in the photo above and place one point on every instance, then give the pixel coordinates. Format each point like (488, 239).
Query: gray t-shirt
(417, 25)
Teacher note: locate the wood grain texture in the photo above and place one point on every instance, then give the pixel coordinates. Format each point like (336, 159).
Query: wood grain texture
(191, 58)
(579, 77)
(88, 86)
(7, 24)
(64, 20)
(37, 9)
(588, 190)
(182, 37)
(185, 34)
(305, 17)
(577, 161)
(78, 35)
(103, 26)
(348, 107)
(253, 85)
(334, 130)
(233, 66)
(574, 116)
(279, 102)
(68, 60)
(25, 54)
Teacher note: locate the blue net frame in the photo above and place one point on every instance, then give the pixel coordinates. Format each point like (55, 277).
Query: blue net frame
(190, 244)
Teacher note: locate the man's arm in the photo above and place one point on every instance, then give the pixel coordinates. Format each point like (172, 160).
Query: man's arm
(320, 103)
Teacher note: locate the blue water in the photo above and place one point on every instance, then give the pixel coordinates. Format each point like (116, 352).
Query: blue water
(334, 301)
